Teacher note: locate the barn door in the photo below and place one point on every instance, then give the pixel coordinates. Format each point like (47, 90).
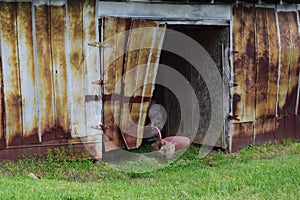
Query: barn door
(130, 55)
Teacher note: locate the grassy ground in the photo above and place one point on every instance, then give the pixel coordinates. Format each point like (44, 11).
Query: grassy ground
(266, 172)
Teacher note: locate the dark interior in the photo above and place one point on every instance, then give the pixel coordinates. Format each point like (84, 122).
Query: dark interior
(212, 38)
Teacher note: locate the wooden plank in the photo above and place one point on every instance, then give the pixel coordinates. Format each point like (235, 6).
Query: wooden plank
(273, 62)
(249, 65)
(2, 105)
(45, 76)
(9, 49)
(262, 64)
(60, 77)
(75, 42)
(238, 100)
(27, 72)
(291, 98)
(92, 67)
(285, 61)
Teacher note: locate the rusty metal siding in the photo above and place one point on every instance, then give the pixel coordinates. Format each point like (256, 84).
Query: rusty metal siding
(276, 72)
(11, 78)
(46, 71)
(126, 99)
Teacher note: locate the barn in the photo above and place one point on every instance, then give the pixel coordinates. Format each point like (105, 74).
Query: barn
(85, 73)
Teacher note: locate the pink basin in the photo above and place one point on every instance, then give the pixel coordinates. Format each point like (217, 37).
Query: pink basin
(179, 141)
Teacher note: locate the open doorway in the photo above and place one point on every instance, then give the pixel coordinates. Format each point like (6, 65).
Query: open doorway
(214, 39)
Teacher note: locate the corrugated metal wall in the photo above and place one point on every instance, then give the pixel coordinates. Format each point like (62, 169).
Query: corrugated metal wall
(46, 70)
(265, 93)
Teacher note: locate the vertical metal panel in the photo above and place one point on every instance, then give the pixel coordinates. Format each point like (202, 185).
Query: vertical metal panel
(264, 131)
(249, 64)
(45, 76)
(139, 110)
(75, 55)
(273, 62)
(2, 105)
(129, 132)
(92, 67)
(291, 98)
(9, 49)
(262, 63)
(27, 73)
(59, 69)
(114, 35)
(242, 135)
(238, 62)
(285, 39)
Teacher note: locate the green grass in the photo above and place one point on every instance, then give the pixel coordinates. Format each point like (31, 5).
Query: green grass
(266, 172)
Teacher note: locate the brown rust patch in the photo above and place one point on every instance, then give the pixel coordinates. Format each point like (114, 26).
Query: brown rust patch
(297, 129)
(249, 64)
(238, 100)
(286, 128)
(56, 133)
(262, 63)
(45, 76)
(265, 131)
(75, 42)
(242, 135)
(291, 99)
(13, 108)
(27, 72)
(273, 62)
(58, 50)
(285, 61)
(2, 111)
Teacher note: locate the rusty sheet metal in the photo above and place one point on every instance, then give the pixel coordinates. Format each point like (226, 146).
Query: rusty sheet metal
(291, 98)
(9, 49)
(27, 73)
(262, 63)
(127, 121)
(2, 105)
(297, 129)
(91, 67)
(75, 55)
(113, 66)
(59, 69)
(249, 64)
(286, 128)
(242, 135)
(283, 18)
(45, 75)
(273, 62)
(264, 131)
(238, 98)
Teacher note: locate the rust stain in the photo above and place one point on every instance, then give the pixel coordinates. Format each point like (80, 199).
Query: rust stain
(285, 61)
(154, 60)
(297, 130)
(45, 76)
(265, 131)
(238, 61)
(2, 112)
(242, 135)
(75, 43)
(262, 63)
(273, 62)
(27, 71)
(249, 64)
(60, 76)
(291, 99)
(13, 108)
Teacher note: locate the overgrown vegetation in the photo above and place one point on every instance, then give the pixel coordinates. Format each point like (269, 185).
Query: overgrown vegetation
(265, 172)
